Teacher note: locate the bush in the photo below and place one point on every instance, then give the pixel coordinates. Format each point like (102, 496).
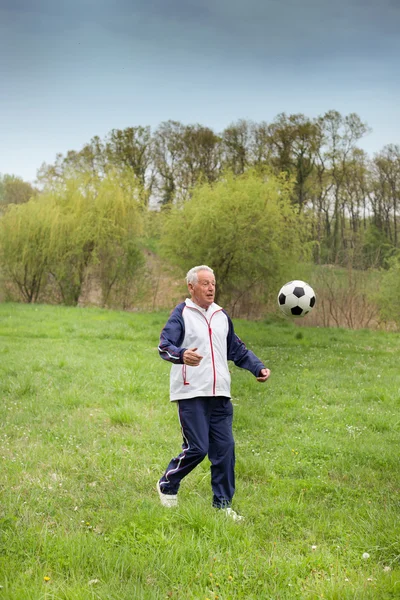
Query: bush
(245, 228)
(388, 296)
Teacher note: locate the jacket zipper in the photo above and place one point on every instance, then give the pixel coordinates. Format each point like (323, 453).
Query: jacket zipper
(184, 375)
(211, 346)
(212, 356)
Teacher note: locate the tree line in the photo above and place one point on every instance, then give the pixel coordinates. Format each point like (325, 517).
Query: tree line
(90, 227)
(354, 199)
(254, 201)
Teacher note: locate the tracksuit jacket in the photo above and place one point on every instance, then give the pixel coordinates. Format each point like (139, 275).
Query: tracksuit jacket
(211, 332)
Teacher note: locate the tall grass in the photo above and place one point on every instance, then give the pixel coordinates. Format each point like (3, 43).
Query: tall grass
(86, 429)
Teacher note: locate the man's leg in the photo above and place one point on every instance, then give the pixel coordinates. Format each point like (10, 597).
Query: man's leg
(222, 452)
(194, 420)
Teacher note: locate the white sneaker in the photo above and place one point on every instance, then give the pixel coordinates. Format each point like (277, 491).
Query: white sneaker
(232, 514)
(167, 500)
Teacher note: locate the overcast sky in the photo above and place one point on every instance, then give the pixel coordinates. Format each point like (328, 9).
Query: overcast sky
(73, 69)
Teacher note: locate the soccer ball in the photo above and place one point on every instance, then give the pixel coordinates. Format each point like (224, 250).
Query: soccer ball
(296, 298)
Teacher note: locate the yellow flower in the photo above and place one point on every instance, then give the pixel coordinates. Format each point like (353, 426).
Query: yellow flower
(46, 578)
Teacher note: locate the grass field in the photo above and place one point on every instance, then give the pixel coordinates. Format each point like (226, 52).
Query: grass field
(86, 429)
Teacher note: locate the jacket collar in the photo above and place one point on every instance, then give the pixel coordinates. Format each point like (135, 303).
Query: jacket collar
(210, 311)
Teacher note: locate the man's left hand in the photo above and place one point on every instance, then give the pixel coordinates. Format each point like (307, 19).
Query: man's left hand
(263, 376)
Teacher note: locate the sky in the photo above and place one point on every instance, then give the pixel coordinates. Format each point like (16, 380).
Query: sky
(73, 69)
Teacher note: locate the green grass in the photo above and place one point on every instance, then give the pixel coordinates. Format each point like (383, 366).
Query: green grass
(86, 428)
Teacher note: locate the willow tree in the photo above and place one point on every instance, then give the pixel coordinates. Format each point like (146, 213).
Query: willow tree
(94, 223)
(24, 247)
(71, 240)
(245, 227)
(117, 213)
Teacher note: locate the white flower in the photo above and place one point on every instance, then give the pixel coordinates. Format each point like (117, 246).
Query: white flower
(365, 556)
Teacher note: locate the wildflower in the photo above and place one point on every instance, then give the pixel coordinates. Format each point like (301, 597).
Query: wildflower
(387, 569)
(313, 547)
(365, 556)
(46, 579)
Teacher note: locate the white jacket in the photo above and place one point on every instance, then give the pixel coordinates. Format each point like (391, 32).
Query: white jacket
(211, 332)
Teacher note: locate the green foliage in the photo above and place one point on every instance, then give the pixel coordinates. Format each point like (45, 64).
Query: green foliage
(72, 238)
(377, 247)
(117, 253)
(96, 222)
(80, 223)
(14, 190)
(388, 295)
(332, 177)
(244, 227)
(24, 246)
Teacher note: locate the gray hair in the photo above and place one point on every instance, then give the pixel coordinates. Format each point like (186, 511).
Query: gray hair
(191, 276)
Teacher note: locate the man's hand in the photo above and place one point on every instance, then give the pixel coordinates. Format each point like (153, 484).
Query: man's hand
(263, 376)
(191, 358)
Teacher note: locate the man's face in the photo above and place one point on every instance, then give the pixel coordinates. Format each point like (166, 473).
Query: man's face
(203, 292)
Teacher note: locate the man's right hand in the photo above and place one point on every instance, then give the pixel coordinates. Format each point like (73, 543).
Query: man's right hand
(191, 357)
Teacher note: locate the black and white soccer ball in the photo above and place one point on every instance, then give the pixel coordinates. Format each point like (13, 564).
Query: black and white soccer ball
(296, 298)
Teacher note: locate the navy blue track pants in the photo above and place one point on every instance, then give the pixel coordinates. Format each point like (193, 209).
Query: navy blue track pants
(206, 425)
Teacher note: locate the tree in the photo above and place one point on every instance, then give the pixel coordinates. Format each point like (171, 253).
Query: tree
(117, 212)
(184, 155)
(260, 148)
(289, 145)
(167, 151)
(236, 142)
(94, 223)
(78, 225)
(245, 227)
(200, 157)
(386, 191)
(24, 247)
(132, 148)
(340, 135)
(14, 190)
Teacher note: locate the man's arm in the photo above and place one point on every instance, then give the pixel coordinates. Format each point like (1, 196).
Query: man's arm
(172, 337)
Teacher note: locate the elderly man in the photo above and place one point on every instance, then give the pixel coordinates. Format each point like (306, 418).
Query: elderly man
(199, 339)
